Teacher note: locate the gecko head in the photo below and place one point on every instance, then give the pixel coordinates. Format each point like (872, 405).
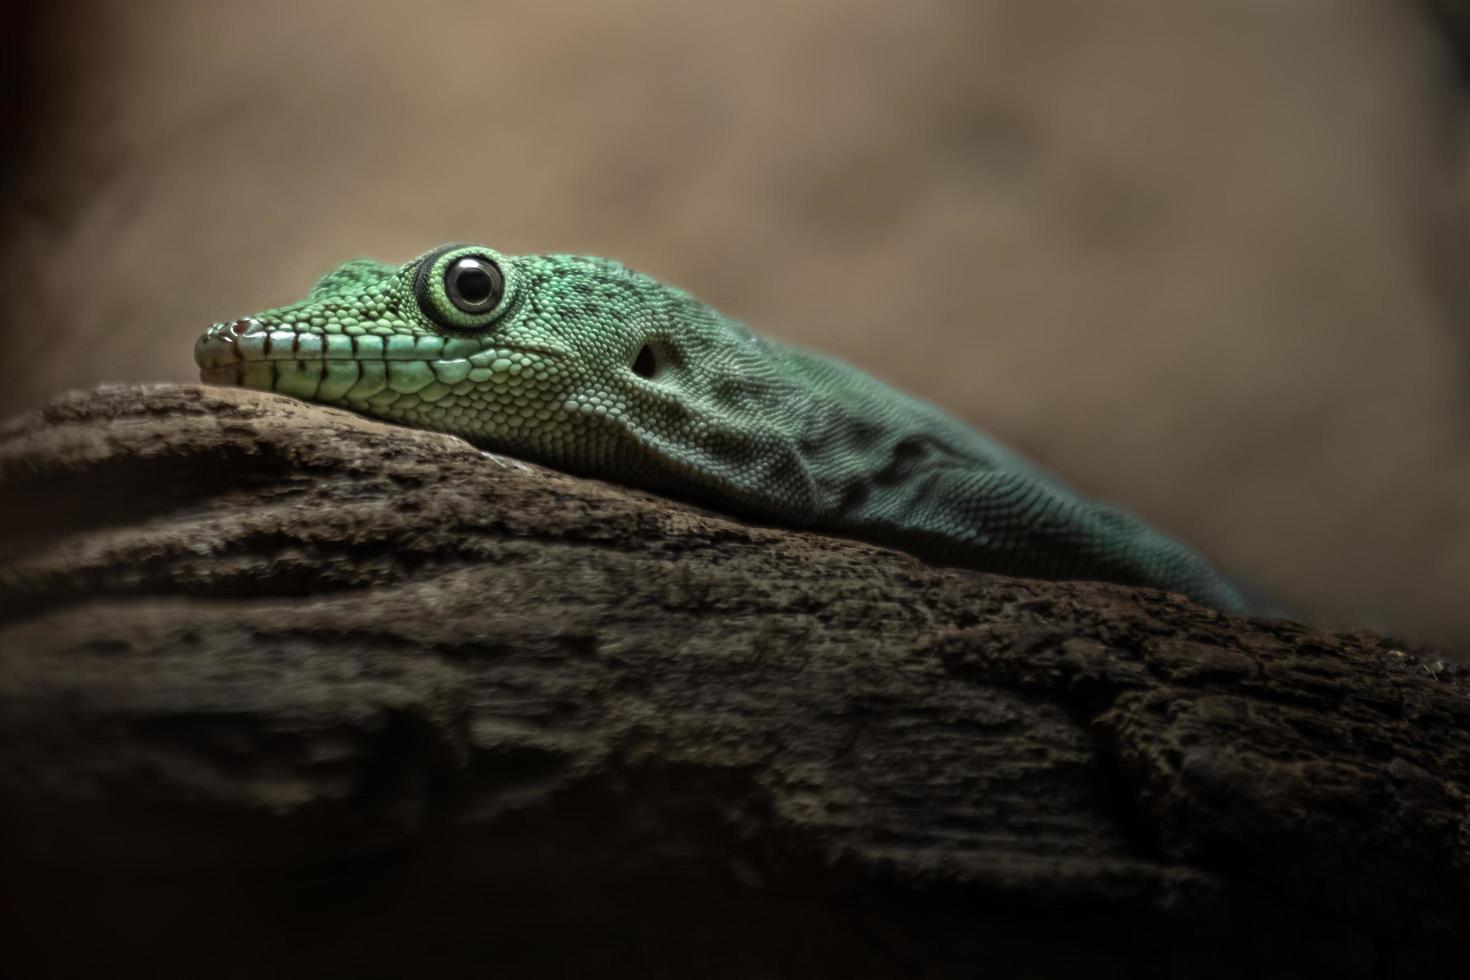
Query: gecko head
(569, 360)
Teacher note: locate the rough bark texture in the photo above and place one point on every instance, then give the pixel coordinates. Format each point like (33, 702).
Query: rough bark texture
(285, 692)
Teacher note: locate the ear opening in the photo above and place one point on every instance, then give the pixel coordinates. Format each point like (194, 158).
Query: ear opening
(645, 365)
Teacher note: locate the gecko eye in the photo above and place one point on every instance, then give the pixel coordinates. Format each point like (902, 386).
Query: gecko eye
(464, 289)
(474, 284)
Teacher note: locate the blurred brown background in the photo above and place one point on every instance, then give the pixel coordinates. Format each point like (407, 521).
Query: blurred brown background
(1203, 258)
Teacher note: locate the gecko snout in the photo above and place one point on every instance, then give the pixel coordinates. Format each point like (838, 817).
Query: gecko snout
(217, 354)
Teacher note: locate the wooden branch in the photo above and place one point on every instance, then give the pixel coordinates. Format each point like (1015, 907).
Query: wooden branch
(287, 692)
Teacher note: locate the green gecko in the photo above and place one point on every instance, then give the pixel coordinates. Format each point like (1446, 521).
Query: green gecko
(587, 366)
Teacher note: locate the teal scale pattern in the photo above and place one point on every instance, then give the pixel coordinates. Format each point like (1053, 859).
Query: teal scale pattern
(588, 366)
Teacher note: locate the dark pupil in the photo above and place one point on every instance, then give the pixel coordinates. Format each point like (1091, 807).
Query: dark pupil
(473, 284)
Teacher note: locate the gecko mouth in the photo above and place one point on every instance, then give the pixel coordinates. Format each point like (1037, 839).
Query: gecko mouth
(224, 374)
(336, 366)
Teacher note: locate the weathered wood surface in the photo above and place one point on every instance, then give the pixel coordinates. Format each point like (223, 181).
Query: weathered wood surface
(287, 692)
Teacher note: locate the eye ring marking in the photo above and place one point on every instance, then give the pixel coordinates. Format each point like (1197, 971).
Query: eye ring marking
(474, 284)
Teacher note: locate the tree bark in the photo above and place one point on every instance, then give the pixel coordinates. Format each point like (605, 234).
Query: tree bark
(287, 692)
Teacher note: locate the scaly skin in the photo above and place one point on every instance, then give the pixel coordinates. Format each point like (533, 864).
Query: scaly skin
(585, 365)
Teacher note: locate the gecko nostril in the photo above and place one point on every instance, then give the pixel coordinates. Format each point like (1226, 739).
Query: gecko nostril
(242, 326)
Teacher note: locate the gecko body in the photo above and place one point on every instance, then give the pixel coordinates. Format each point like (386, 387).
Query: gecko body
(585, 365)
